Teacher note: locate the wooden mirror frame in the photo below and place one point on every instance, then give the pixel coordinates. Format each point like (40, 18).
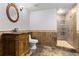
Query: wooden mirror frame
(8, 14)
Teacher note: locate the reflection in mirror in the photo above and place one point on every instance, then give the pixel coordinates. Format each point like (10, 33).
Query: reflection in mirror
(13, 13)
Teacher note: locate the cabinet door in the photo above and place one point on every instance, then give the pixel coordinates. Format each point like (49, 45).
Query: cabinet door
(21, 47)
(9, 47)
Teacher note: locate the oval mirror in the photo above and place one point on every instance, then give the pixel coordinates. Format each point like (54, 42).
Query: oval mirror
(12, 12)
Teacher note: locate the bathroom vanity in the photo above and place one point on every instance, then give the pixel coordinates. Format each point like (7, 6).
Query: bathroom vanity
(15, 44)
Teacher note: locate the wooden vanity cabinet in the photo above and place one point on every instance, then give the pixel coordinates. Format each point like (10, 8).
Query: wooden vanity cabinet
(15, 44)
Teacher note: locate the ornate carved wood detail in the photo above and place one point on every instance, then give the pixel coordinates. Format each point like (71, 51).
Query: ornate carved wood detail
(14, 44)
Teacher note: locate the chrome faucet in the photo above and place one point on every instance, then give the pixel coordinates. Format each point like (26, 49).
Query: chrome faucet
(15, 30)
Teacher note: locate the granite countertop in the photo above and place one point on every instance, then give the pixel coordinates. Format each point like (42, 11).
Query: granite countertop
(15, 32)
(24, 31)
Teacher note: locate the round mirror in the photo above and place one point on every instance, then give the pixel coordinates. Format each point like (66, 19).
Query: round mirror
(12, 12)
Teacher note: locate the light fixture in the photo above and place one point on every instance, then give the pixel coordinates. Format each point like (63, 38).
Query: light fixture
(61, 11)
(21, 8)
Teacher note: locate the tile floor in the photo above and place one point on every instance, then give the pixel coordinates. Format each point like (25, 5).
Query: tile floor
(48, 51)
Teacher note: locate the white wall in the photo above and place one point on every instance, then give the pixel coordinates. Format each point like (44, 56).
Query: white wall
(5, 24)
(39, 20)
(43, 20)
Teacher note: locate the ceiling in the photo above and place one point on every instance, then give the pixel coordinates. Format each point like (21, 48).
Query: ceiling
(41, 6)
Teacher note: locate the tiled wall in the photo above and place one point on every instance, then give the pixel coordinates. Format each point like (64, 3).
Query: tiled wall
(77, 42)
(46, 38)
(71, 21)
